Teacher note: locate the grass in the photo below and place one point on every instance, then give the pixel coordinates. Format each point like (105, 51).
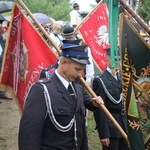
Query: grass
(94, 143)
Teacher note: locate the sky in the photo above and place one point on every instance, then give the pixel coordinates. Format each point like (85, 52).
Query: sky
(85, 4)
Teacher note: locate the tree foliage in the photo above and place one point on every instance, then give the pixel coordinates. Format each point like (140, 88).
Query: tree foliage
(144, 9)
(56, 9)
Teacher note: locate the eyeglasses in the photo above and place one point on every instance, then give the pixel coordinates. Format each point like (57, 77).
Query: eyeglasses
(47, 27)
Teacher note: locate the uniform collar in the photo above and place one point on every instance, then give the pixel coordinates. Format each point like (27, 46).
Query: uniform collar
(109, 70)
(63, 80)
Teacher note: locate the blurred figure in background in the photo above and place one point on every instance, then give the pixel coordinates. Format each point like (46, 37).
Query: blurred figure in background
(45, 21)
(3, 94)
(56, 36)
(47, 27)
(75, 17)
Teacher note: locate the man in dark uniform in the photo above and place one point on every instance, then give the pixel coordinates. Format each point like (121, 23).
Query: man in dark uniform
(53, 117)
(109, 88)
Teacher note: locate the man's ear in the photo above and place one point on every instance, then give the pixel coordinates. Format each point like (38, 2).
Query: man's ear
(64, 61)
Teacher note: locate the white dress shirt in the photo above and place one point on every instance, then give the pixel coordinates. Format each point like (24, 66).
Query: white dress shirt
(75, 18)
(89, 70)
(110, 71)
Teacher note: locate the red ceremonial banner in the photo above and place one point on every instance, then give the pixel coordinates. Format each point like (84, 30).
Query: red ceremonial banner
(26, 54)
(94, 30)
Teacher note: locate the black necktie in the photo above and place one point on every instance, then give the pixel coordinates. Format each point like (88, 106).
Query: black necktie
(118, 77)
(72, 94)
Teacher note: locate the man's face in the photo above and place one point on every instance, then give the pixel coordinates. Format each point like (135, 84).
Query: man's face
(47, 27)
(73, 37)
(71, 70)
(77, 8)
(57, 30)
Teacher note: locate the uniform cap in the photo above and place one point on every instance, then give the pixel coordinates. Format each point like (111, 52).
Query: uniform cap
(77, 53)
(68, 32)
(75, 5)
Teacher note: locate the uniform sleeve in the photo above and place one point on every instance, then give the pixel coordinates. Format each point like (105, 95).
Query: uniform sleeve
(100, 118)
(88, 101)
(32, 120)
(97, 88)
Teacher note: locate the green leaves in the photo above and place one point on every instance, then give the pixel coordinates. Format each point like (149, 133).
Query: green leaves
(144, 10)
(57, 9)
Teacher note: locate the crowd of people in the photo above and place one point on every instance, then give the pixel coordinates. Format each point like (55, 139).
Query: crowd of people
(54, 113)
(60, 120)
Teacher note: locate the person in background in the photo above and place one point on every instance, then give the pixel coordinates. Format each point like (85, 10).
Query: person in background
(5, 25)
(109, 87)
(75, 17)
(53, 115)
(48, 27)
(44, 20)
(3, 94)
(56, 36)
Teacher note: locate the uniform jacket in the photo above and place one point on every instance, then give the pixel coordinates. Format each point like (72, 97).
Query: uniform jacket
(2, 47)
(104, 126)
(37, 132)
(2, 44)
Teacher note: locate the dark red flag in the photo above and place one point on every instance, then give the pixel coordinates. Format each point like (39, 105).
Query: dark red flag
(26, 54)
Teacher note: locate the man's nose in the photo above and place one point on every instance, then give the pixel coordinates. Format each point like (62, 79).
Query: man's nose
(80, 73)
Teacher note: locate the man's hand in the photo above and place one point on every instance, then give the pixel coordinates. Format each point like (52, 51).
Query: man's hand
(105, 142)
(97, 101)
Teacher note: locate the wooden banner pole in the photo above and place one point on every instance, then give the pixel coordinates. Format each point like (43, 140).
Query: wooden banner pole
(39, 26)
(135, 16)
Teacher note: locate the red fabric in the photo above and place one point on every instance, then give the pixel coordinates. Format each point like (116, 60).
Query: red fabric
(26, 55)
(95, 33)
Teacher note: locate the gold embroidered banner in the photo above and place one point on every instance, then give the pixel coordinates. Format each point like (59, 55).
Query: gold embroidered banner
(136, 84)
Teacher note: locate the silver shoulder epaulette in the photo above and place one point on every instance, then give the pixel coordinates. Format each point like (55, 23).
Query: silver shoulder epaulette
(45, 80)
